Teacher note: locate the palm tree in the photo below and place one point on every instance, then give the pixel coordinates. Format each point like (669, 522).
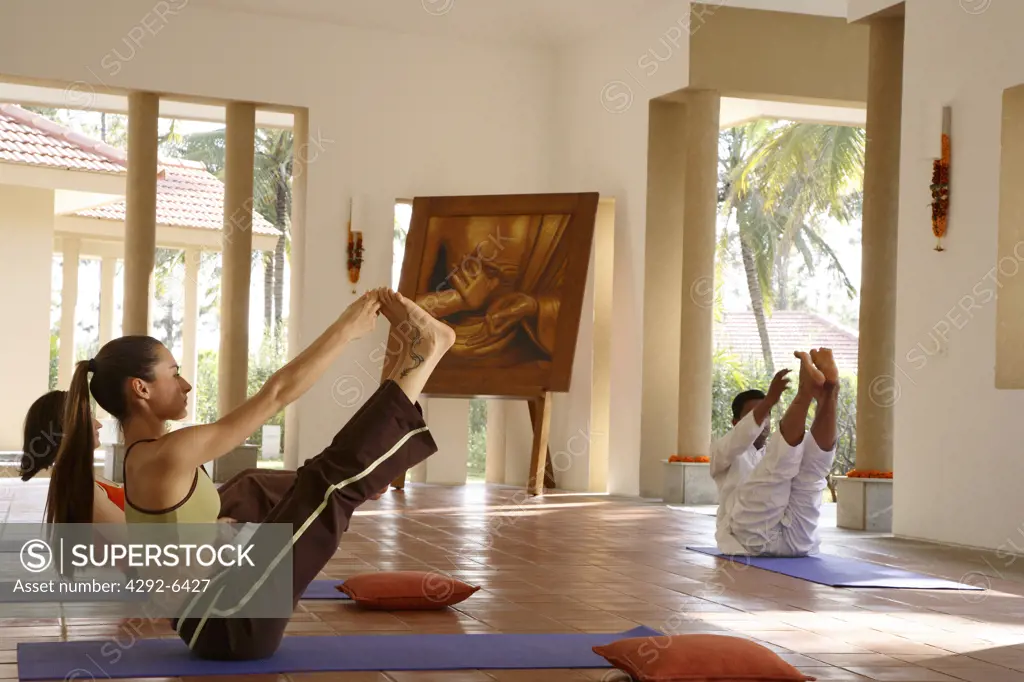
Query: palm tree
(757, 231)
(782, 180)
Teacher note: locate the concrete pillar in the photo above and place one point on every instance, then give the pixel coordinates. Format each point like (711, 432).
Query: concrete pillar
(877, 380)
(68, 303)
(26, 236)
(233, 361)
(301, 156)
(190, 357)
(700, 213)
(108, 277)
(663, 286)
(596, 437)
(449, 425)
(877, 352)
(495, 469)
(140, 211)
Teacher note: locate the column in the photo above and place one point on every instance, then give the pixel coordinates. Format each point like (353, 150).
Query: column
(26, 236)
(596, 440)
(663, 289)
(700, 212)
(140, 211)
(868, 506)
(301, 156)
(494, 471)
(68, 303)
(190, 357)
(108, 277)
(233, 361)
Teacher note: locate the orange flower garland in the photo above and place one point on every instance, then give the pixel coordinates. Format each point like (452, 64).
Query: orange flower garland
(868, 473)
(689, 460)
(940, 184)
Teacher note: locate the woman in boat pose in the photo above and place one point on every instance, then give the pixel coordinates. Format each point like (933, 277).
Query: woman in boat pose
(136, 380)
(245, 497)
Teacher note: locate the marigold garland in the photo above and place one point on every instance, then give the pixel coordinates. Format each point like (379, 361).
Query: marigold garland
(940, 185)
(689, 460)
(868, 473)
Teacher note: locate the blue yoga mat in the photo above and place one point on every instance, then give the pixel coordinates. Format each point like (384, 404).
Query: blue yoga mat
(324, 589)
(836, 571)
(171, 658)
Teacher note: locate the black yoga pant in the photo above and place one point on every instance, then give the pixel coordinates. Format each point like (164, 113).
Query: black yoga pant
(249, 495)
(384, 438)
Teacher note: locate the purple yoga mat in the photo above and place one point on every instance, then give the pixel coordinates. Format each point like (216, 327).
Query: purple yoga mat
(324, 589)
(171, 658)
(836, 571)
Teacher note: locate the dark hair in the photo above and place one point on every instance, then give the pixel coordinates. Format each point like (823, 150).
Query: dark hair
(43, 431)
(742, 399)
(71, 488)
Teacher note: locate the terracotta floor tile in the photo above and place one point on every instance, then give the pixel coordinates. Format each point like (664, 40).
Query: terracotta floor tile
(833, 674)
(361, 676)
(236, 678)
(537, 675)
(904, 674)
(440, 676)
(808, 643)
(850, 660)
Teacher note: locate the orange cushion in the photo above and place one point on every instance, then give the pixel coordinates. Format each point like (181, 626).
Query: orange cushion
(406, 590)
(709, 658)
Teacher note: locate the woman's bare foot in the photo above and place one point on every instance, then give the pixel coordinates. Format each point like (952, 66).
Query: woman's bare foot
(419, 341)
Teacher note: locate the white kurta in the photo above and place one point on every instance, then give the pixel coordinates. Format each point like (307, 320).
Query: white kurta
(769, 499)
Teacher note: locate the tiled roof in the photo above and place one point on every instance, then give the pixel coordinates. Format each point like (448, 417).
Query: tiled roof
(788, 331)
(37, 141)
(187, 194)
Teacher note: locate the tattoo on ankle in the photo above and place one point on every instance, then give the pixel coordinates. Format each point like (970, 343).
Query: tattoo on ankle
(417, 359)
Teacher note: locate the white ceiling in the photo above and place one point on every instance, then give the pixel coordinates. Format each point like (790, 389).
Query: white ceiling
(548, 22)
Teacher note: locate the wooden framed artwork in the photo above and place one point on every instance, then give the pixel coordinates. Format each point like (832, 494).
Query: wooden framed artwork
(507, 273)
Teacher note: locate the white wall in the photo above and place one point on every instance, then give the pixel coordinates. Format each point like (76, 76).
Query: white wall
(958, 463)
(604, 87)
(26, 233)
(859, 9)
(395, 115)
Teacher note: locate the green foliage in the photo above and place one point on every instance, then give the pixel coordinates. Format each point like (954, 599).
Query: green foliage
(54, 360)
(267, 360)
(477, 463)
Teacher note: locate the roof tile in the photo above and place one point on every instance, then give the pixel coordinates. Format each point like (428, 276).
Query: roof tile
(788, 331)
(187, 194)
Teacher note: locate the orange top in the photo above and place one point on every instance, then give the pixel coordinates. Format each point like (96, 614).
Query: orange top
(114, 492)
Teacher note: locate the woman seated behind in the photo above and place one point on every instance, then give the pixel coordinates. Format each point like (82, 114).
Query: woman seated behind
(42, 439)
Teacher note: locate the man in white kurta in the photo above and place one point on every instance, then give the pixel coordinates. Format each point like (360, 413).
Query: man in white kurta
(770, 495)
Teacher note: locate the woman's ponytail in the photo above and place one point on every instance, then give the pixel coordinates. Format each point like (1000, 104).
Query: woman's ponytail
(70, 498)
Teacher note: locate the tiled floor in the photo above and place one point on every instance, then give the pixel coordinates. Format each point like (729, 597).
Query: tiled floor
(568, 563)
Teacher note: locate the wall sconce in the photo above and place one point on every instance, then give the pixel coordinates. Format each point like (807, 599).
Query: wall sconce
(355, 250)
